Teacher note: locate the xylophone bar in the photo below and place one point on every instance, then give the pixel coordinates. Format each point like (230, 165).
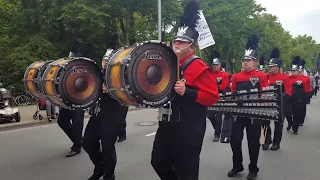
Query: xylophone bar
(256, 113)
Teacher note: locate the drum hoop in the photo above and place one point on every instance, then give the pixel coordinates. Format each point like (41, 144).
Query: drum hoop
(40, 91)
(60, 79)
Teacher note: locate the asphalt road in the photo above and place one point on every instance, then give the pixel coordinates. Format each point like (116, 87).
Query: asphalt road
(37, 153)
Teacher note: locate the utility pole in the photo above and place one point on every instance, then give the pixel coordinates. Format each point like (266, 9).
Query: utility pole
(159, 20)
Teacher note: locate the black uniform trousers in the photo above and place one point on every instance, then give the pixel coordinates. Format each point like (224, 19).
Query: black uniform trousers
(122, 123)
(74, 129)
(104, 127)
(299, 108)
(216, 121)
(278, 125)
(176, 149)
(222, 126)
(253, 129)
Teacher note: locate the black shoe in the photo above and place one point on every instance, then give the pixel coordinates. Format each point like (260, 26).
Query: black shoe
(265, 147)
(295, 132)
(112, 177)
(275, 147)
(216, 138)
(121, 139)
(289, 128)
(225, 140)
(234, 172)
(97, 174)
(252, 175)
(73, 153)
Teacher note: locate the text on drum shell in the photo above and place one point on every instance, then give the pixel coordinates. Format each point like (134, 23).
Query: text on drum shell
(156, 102)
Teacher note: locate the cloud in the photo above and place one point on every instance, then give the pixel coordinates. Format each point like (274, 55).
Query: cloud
(297, 17)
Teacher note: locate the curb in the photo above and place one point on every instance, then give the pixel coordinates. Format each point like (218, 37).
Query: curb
(20, 125)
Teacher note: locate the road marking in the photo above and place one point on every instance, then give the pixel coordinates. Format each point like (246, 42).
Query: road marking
(151, 134)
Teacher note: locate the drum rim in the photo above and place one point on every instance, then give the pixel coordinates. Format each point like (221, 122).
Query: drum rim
(94, 97)
(40, 91)
(54, 84)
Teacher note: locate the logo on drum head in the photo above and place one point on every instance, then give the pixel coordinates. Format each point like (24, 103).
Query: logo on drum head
(76, 70)
(152, 56)
(184, 80)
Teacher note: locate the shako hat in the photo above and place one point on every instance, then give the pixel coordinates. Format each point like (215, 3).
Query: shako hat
(216, 58)
(251, 51)
(295, 63)
(274, 58)
(188, 23)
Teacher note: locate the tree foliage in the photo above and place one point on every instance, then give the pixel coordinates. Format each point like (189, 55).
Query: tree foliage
(35, 30)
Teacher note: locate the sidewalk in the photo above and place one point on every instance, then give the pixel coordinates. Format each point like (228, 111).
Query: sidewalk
(27, 120)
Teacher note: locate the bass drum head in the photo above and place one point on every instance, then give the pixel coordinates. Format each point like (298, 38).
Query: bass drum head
(39, 77)
(152, 74)
(80, 83)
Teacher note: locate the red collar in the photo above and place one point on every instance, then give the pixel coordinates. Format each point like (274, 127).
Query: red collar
(248, 72)
(182, 60)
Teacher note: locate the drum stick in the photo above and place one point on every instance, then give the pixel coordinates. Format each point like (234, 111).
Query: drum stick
(178, 65)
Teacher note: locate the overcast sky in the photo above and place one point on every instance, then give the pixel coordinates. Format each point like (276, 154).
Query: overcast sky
(296, 16)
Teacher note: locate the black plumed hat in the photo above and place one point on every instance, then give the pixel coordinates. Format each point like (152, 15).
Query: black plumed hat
(251, 51)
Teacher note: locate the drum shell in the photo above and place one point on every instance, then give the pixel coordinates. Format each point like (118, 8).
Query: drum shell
(41, 71)
(56, 84)
(115, 76)
(30, 79)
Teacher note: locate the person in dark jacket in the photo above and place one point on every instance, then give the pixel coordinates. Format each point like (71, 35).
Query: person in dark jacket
(103, 126)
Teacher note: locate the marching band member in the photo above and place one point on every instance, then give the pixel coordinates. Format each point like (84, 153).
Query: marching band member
(302, 73)
(222, 80)
(277, 78)
(103, 125)
(300, 90)
(246, 80)
(228, 119)
(74, 129)
(178, 141)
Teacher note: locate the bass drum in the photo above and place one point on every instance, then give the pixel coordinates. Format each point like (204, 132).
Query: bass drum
(142, 75)
(73, 83)
(32, 78)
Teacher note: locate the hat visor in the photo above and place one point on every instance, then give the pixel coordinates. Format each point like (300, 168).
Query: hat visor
(272, 65)
(215, 63)
(182, 39)
(248, 58)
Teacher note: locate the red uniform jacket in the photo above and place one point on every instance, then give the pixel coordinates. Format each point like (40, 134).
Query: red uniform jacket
(284, 79)
(222, 80)
(249, 80)
(300, 86)
(200, 77)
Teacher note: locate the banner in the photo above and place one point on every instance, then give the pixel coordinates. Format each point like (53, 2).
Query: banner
(205, 37)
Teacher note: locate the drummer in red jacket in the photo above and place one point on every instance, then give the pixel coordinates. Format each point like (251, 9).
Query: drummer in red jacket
(178, 142)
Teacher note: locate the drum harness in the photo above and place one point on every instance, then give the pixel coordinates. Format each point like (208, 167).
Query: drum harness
(167, 109)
